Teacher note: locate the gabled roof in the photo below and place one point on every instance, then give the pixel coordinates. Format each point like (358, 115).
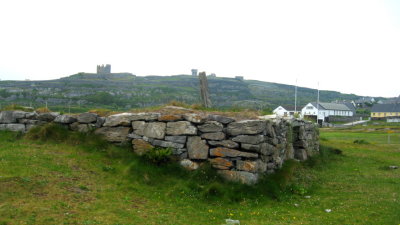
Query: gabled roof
(331, 106)
(386, 108)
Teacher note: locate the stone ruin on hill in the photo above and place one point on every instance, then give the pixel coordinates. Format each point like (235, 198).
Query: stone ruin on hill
(241, 150)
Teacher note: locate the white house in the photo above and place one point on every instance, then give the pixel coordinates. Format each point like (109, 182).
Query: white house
(284, 111)
(325, 110)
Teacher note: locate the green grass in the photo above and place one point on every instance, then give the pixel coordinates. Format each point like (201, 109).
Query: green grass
(75, 181)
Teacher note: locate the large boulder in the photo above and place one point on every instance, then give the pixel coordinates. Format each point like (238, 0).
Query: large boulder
(239, 176)
(144, 116)
(246, 127)
(13, 127)
(66, 119)
(197, 148)
(227, 152)
(114, 134)
(211, 127)
(87, 118)
(180, 128)
(249, 139)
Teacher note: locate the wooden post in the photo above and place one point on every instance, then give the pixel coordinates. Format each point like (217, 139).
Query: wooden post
(205, 97)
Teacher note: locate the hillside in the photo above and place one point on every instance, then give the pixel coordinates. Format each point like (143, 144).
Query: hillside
(81, 181)
(125, 90)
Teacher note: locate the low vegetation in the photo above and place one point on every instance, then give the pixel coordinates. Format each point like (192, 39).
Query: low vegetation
(54, 176)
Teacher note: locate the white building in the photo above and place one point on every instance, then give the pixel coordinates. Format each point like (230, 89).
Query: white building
(325, 110)
(284, 111)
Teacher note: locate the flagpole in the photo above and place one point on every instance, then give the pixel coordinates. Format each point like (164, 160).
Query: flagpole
(295, 98)
(318, 103)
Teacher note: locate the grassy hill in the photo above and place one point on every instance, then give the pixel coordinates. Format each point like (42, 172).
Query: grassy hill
(125, 91)
(70, 179)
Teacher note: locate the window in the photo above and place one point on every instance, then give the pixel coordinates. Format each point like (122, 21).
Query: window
(309, 107)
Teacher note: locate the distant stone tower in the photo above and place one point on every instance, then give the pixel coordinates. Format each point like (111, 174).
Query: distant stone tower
(194, 72)
(104, 69)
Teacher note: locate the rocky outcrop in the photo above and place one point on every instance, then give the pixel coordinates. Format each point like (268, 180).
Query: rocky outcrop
(240, 150)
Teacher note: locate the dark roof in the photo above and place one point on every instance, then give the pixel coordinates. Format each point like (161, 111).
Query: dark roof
(331, 106)
(291, 108)
(386, 108)
(350, 106)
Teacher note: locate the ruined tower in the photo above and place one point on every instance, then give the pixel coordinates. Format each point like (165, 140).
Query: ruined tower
(194, 72)
(104, 69)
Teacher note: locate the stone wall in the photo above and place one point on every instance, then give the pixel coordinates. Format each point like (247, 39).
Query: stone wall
(239, 150)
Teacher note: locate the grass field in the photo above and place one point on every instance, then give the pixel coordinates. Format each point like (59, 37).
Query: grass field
(57, 183)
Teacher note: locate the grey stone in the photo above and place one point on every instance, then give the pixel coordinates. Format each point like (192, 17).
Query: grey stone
(34, 122)
(138, 127)
(176, 139)
(100, 121)
(48, 117)
(197, 148)
(224, 143)
(83, 128)
(144, 116)
(30, 126)
(217, 136)
(87, 118)
(179, 151)
(251, 166)
(13, 127)
(268, 149)
(250, 147)
(189, 164)
(166, 144)
(211, 127)
(134, 136)
(10, 116)
(66, 119)
(239, 176)
(155, 130)
(180, 128)
(300, 154)
(249, 139)
(114, 134)
(221, 119)
(221, 163)
(31, 115)
(123, 119)
(246, 127)
(227, 152)
(194, 118)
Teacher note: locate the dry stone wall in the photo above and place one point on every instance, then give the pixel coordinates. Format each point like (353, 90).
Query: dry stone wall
(240, 150)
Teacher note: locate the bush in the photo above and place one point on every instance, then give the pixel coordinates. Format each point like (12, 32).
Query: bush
(43, 110)
(361, 142)
(159, 156)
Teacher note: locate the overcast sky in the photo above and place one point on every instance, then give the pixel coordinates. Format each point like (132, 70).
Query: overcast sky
(349, 46)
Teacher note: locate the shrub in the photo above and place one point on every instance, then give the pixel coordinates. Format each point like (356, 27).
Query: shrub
(43, 110)
(159, 156)
(361, 142)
